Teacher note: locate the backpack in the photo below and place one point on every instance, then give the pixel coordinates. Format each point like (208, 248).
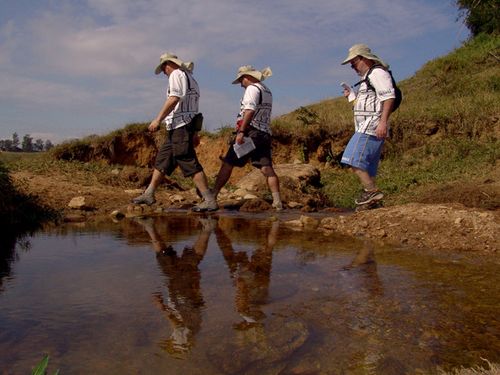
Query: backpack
(397, 90)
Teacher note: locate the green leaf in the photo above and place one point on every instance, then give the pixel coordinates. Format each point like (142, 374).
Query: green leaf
(41, 367)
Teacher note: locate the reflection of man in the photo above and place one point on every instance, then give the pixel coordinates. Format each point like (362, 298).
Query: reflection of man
(251, 275)
(365, 261)
(184, 301)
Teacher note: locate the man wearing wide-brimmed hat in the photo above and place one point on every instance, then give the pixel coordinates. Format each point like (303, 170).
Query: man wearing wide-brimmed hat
(253, 122)
(372, 108)
(178, 113)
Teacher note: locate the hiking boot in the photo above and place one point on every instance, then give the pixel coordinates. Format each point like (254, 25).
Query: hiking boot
(144, 198)
(369, 196)
(206, 206)
(278, 206)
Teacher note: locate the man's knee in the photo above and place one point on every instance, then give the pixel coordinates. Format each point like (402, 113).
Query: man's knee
(268, 171)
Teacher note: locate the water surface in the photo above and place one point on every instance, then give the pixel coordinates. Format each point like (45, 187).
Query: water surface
(228, 295)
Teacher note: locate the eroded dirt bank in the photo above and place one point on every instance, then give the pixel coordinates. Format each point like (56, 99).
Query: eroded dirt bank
(436, 226)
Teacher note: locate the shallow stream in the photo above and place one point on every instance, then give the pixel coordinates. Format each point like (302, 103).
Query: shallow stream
(190, 294)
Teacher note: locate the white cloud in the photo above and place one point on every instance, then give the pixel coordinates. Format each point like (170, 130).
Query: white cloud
(221, 32)
(39, 92)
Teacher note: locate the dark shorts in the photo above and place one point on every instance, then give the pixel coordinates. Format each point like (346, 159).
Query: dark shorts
(260, 157)
(178, 150)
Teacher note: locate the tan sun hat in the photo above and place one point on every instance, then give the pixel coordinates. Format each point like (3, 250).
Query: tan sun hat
(249, 70)
(173, 58)
(362, 50)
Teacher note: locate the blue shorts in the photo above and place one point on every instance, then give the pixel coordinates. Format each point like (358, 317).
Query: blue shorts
(363, 152)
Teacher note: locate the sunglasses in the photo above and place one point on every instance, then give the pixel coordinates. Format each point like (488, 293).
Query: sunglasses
(355, 61)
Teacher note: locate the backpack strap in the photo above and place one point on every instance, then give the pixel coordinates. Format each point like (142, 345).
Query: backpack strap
(367, 77)
(260, 93)
(188, 80)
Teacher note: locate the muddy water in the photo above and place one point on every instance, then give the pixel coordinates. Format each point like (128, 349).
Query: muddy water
(227, 295)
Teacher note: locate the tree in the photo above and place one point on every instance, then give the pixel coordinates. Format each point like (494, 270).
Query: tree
(27, 143)
(6, 145)
(48, 145)
(15, 141)
(38, 146)
(481, 16)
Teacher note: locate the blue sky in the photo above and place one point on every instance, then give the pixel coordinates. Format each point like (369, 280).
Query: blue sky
(74, 68)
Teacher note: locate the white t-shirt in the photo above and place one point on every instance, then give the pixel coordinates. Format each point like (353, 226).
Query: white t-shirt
(258, 98)
(184, 86)
(368, 105)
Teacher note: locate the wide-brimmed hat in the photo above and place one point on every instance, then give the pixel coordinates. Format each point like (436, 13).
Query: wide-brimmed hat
(249, 70)
(364, 51)
(189, 65)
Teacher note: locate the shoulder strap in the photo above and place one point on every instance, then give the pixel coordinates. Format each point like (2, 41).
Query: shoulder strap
(188, 80)
(367, 77)
(260, 93)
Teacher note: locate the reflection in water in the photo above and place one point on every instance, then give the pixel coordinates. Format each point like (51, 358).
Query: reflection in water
(369, 290)
(365, 262)
(300, 303)
(8, 254)
(250, 275)
(182, 303)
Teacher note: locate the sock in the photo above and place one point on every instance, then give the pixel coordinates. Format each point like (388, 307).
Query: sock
(150, 191)
(208, 195)
(276, 197)
(370, 187)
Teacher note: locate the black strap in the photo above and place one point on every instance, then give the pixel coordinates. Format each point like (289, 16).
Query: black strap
(367, 79)
(260, 93)
(189, 81)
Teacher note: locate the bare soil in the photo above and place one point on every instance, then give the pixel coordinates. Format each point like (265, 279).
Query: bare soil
(438, 224)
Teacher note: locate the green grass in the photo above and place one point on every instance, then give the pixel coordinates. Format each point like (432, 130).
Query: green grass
(41, 368)
(400, 176)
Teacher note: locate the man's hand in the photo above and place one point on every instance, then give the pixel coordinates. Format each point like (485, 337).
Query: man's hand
(239, 138)
(381, 130)
(154, 126)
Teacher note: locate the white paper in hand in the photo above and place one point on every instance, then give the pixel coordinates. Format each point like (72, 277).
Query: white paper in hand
(352, 94)
(244, 148)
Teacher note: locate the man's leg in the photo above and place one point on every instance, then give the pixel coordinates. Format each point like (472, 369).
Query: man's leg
(222, 178)
(210, 197)
(371, 192)
(148, 197)
(209, 202)
(366, 180)
(274, 186)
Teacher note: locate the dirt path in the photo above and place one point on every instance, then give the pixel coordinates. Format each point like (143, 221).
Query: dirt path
(436, 226)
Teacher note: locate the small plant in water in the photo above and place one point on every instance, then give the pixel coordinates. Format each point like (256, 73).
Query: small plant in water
(41, 368)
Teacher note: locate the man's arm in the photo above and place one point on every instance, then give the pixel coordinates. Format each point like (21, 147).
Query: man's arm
(384, 118)
(245, 123)
(167, 107)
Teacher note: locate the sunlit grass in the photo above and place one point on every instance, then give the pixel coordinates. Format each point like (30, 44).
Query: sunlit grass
(401, 175)
(41, 368)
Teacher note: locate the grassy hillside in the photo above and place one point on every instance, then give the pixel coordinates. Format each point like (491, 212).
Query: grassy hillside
(446, 132)
(455, 95)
